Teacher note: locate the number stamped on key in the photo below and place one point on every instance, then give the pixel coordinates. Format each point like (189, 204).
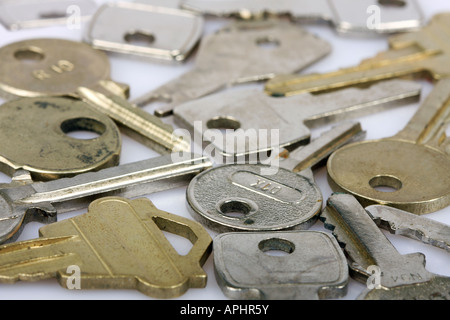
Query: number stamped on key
(62, 66)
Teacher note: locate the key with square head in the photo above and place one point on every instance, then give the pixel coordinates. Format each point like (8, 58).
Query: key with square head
(424, 53)
(301, 265)
(45, 136)
(248, 111)
(414, 164)
(146, 30)
(118, 244)
(241, 52)
(400, 276)
(42, 201)
(412, 226)
(266, 197)
(346, 16)
(23, 14)
(57, 67)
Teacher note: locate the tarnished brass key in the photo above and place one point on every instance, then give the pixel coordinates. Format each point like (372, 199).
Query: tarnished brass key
(414, 164)
(422, 53)
(57, 67)
(118, 244)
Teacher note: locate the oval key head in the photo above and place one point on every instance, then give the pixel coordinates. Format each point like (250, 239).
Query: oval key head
(241, 197)
(53, 67)
(56, 137)
(410, 171)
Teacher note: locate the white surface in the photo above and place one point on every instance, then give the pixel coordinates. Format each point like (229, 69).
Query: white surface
(143, 76)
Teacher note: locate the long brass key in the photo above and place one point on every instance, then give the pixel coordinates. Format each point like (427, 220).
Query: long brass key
(42, 201)
(57, 67)
(422, 53)
(414, 164)
(118, 244)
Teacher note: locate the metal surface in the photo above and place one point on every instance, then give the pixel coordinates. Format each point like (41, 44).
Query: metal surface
(250, 110)
(401, 276)
(302, 265)
(42, 201)
(258, 197)
(38, 135)
(412, 226)
(241, 52)
(118, 244)
(24, 14)
(346, 16)
(414, 164)
(57, 67)
(145, 30)
(424, 53)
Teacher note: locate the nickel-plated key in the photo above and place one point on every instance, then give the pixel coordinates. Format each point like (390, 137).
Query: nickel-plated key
(58, 67)
(241, 52)
(399, 276)
(366, 17)
(424, 54)
(43, 201)
(266, 197)
(412, 226)
(117, 244)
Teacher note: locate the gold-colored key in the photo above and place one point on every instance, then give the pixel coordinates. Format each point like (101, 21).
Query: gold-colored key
(57, 67)
(425, 53)
(409, 171)
(118, 244)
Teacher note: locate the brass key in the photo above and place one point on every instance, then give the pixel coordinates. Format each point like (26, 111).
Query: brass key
(118, 244)
(422, 53)
(57, 67)
(414, 164)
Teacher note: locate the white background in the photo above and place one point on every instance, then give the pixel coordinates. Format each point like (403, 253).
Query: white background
(143, 76)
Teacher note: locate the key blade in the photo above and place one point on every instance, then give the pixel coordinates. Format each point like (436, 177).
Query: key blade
(412, 226)
(367, 246)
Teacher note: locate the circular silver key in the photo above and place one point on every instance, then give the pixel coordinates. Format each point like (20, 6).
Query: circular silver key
(39, 135)
(243, 197)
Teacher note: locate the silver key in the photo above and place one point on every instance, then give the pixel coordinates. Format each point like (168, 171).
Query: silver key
(250, 110)
(24, 14)
(258, 197)
(21, 203)
(374, 260)
(145, 30)
(366, 17)
(303, 265)
(242, 52)
(411, 225)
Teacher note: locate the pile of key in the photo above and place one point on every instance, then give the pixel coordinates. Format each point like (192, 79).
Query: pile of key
(252, 196)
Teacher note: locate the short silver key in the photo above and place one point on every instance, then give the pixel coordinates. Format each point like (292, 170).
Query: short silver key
(246, 112)
(302, 265)
(411, 225)
(239, 53)
(375, 261)
(145, 30)
(366, 17)
(21, 203)
(23, 14)
(262, 197)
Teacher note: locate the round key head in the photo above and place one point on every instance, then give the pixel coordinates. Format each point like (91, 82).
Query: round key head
(53, 67)
(247, 197)
(399, 173)
(55, 137)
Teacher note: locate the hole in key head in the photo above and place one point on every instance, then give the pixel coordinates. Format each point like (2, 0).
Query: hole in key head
(267, 43)
(235, 208)
(276, 247)
(223, 123)
(140, 38)
(392, 3)
(29, 55)
(53, 15)
(83, 128)
(385, 183)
